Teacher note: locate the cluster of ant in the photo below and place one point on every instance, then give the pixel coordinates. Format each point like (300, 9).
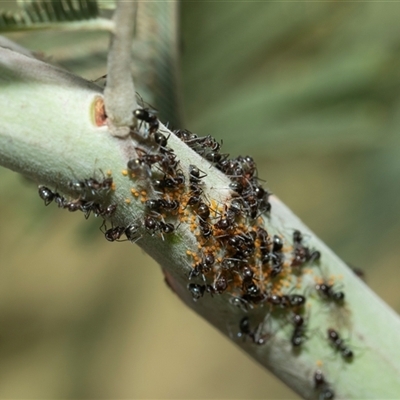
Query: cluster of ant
(237, 255)
(85, 203)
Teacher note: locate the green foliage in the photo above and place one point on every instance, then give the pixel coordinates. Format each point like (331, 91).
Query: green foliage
(41, 14)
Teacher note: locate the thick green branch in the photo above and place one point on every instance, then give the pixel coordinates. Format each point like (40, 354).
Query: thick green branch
(48, 132)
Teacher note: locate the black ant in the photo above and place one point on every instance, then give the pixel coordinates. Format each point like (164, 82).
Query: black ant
(286, 301)
(144, 160)
(297, 319)
(99, 186)
(298, 336)
(195, 179)
(248, 166)
(247, 332)
(277, 243)
(235, 209)
(277, 263)
(301, 253)
(255, 198)
(260, 192)
(227, 167)
(159, 205)
(194, 174)
(93, 185)
(338, 343)
(205, 229)
(216, 157)
(296, 300)
(277, 267)
(224, 224)
(85, 206)
(299, 333)
(244, 327)
(130, 231)
(153, 225)
(89, 206)
(209, 142)
(168, 163)
(170, 205)
(170, 183)
(154, 204)
(98, 211)
(243, 244)
(74, 205)
(264, 240)
(320, 384)
(186, 136)
(250, 289)
(231, 264)
(195, 198)
(237, 187)
(166, 227)
(149, 117)
(203, 211)
(47, 195)
(220, 283)
(198, 144)
(196, 290)
(203, 267)
(161, 140)
(114, 234)
(274, 299)
(243, 304)
(327, 292)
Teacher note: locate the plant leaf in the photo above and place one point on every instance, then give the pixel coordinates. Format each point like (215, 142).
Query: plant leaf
(43, 14)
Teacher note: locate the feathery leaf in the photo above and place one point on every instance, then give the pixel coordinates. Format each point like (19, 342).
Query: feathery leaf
(44, 13)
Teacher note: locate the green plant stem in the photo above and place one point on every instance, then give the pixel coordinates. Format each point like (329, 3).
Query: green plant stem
(47, 133)
(120, 97)
(94, 24)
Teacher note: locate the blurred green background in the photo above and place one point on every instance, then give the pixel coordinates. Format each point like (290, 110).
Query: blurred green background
(312, 91)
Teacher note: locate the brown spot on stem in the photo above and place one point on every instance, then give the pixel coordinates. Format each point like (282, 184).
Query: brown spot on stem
(99, 112)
